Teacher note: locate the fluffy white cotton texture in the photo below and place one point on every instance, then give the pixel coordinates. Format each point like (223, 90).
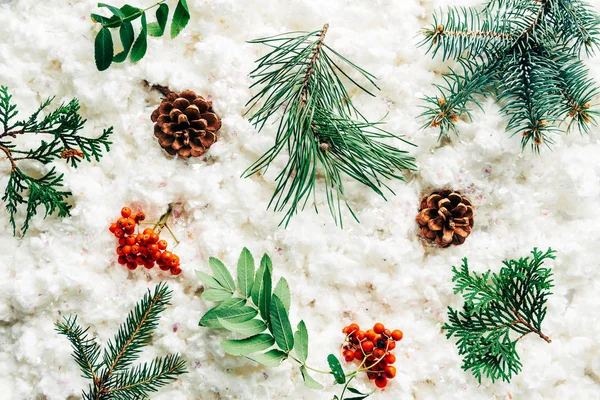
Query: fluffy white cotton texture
(374, 271)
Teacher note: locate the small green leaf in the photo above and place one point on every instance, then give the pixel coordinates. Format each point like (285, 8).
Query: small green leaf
(208, 280)
(213, 316)
(128, 11)
(232, 303)
(271, 358)
(245, 272)
(221, 273)
(336, 369)
(126, 34)
(301, 342)
(264, 296)
(282, 290)
(248, 328)
(141, 43)
(103, 49)
(360, 396)
(308, 380)
(116, 12)
(249, 345)
(216, 295)
(181, 17)
(157, 28)
(281, 327)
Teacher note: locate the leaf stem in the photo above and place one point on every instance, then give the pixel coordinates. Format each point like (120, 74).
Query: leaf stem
(538, 332)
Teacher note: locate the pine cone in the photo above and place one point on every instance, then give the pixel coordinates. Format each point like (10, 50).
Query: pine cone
(185, 124)
(446, 217)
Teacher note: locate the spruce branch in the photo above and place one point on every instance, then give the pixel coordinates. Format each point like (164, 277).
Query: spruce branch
(530, 52)
(61, 126)
(111, 377)
(499, 310)
(300, 81)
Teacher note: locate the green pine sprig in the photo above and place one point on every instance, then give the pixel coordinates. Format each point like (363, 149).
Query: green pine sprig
(258, 315)
(112, 378)
(526, 53)
(300, 84)
(60, 129)
(122, 18)
(500, 309)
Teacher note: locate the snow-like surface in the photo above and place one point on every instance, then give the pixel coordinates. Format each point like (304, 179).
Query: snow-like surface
(373, 271)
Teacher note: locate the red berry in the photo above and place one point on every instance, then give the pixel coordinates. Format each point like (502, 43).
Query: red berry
(346, 330)
(148, 264)
(358, 354)
(130, 240)
(156, 255)
(121, 222)
(113, 227)
(140, 260)
(371, 375)
(390, 358)
(175, 271)
(370, 334)
(378, 328)
(119, 232)
(152, 247)
(153, 238)
(367, 346)
(131, 257)
(353, 328)
(397, 335)
(131, 265)
(381, 381)
(348, 355)
(140, 216)
(163, 267)
(387, 333)
(121, 241)
(148, 231)
(391, 345)
(360, 335)
(122, 260)
(390, 372)
(126, 249)
(162, 244)
(379, 353)
(166, 257)
(145, 238)
(135, 249)
(125, 212)
(120, 251)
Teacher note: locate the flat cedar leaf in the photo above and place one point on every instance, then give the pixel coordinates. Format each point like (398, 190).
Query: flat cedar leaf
(221, 273)
(128, 11)
(208, 280)
(216, 295)
(249, 345)
(126, 34)
(245, 272)
(301, 342)
(282, 290)
(103, 49)
(336, 369)
(214, 316)
(309, 382)
(232, 303)
(116, 12)
(247, 328)
(181, 17)
(271, 358)
(158, 28)
(264, 296)
(281, 327)
(141, 43)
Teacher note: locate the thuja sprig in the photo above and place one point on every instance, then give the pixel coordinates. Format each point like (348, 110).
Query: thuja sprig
(61, 141)
(122, 18)
(300, 83)
(525, 52)
(113, 376)
(259, 314)
(500, 309)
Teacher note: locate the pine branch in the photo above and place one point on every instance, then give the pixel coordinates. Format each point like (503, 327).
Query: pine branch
(62, 126)
(530, 46)
(111, 378)
(496, 305)
(300, 82)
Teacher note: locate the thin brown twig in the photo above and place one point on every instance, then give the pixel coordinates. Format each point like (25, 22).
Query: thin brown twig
(164, 90)
(532, 329)
(9, 156)
(311, 65)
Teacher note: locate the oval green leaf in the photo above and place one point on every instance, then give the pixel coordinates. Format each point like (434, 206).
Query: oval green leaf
(157, 28)
(281, 327)
(213, 316)
(247, 328)
(301, 342)
(141, 43)
(127, 36)
(271, 358)
(248, 346)
(221, 274)
(309, 382)
(208, 280)
(103, 49)
(216, 295)
(181, 17)
(282, 290)
(336, 369)
(245, 272)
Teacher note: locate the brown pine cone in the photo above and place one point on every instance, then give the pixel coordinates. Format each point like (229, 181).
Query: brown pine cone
(185, 124)
(445, 218)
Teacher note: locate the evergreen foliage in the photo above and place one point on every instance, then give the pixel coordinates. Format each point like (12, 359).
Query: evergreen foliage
(301, 83)
(62, 126)
(112, 377)
(525, 52)
(500, 309)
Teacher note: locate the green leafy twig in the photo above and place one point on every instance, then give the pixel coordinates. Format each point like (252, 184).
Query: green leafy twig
(527, 53)
(498, 307)
(112, 377)
(300, 83)
(122, 18)
(61, 126)
(258, 313)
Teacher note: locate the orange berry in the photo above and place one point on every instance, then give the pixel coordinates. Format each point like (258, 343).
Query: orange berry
(397, 335)
(119, 232)
(148, 231)
(162, 245)
(378, 353)
(135, 249)
(120, 251)
(345, 330)
(166, 257)
(360, 335)
(155, 255)
(390, 358)
(140, 216)
(370, 334)
(391, 345)
(125, 212)
(175, 271)
(378, 328)
(163, 267)
(113, 227)
(390, 372)
(381, 381)
(387, 333)
(126, 249)
(348, 355)
(154, 238)
(353, 328)
(358, 354)
(367, 346)
(130, 240)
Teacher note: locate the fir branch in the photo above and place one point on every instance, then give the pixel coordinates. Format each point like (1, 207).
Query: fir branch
(111, 378)
(530, 46)
(496, 305)
(300, 81)
(62, 126)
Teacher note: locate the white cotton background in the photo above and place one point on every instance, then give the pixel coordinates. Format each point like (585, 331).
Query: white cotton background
(377, 270)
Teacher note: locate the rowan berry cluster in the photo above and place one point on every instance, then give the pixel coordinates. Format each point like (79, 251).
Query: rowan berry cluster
(144, 248)
(372, 348)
